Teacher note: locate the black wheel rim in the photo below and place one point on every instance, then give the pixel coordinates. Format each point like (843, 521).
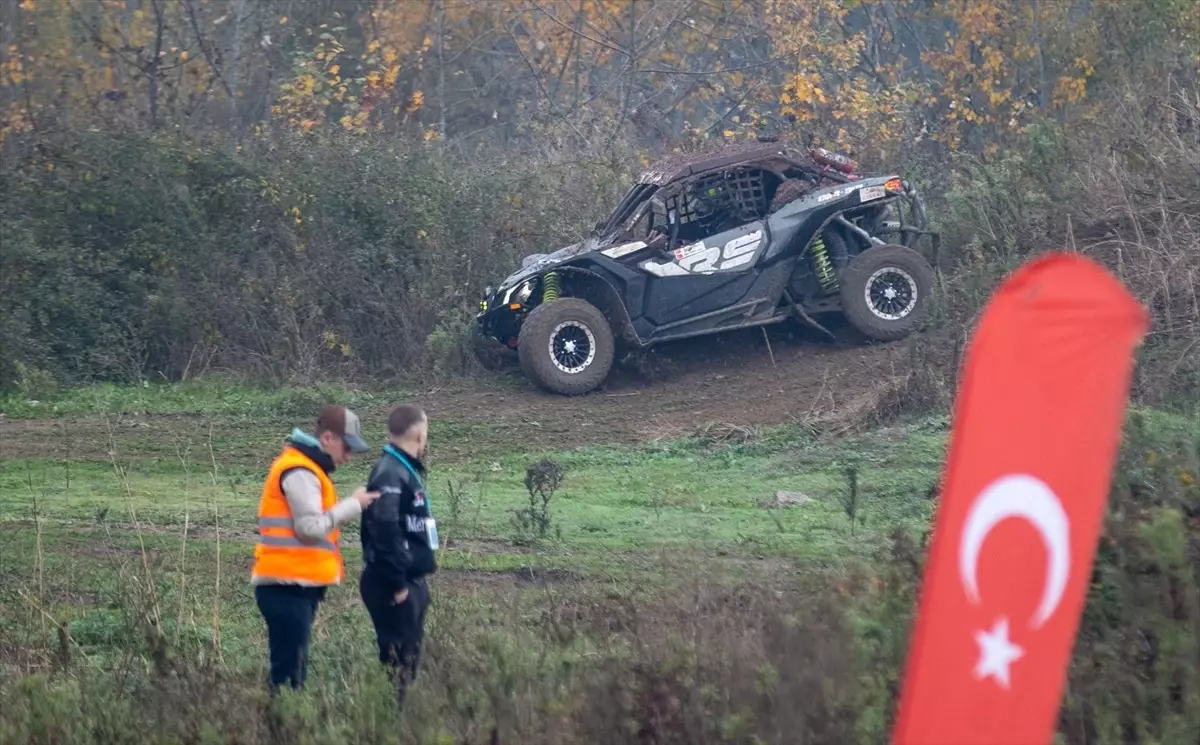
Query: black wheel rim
(572, 347)
(891, 293)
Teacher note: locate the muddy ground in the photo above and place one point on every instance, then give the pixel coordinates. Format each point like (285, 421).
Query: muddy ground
(740, 379)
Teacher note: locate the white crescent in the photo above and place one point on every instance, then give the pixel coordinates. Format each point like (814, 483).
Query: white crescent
(1028, 498)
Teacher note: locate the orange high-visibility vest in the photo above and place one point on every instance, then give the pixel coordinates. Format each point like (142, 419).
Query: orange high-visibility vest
(279, 553)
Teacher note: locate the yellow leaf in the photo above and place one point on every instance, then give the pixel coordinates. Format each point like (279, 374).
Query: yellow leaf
(728, 133)
(183, 56)
(283, 20)
(415, 102)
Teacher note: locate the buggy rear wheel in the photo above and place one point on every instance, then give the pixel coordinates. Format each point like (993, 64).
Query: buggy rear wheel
(566, 346)
(885, 291)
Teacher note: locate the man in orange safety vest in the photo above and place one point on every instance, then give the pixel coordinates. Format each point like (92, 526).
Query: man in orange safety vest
(297, 554)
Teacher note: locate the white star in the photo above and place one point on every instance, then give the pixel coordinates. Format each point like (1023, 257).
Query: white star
(996, 653)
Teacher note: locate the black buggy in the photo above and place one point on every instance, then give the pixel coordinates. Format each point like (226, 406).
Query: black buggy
(751, 235)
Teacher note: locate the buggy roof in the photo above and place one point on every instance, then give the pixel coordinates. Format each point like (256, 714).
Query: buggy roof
(681, 165)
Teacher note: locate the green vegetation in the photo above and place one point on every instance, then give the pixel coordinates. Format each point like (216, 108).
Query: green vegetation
(342, 226)
(212, 210)
(670, 597)
(619, 497)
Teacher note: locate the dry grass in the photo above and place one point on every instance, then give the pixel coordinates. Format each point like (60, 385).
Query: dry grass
(724, 433)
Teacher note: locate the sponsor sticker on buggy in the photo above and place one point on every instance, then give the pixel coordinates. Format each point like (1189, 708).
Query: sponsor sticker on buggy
(868, 193)
(844, 191)
(683, 252)
(617, 252)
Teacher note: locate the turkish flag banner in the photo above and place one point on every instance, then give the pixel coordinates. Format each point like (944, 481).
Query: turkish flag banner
(1037, 425)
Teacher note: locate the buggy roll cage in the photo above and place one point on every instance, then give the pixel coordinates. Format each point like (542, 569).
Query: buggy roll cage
(676, 175)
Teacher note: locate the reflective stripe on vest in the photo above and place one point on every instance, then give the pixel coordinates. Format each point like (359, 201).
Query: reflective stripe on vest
(279, 553)
(284, 540)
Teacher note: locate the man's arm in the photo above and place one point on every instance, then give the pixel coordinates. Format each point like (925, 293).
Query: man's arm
(311, 523)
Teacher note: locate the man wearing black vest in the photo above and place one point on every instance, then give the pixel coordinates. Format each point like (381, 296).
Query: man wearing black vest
(399, 537)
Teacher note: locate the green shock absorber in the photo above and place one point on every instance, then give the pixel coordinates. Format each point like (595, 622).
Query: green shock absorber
(550, 287)
(822, 266)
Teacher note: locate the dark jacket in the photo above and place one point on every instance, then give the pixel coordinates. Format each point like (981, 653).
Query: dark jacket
(399, 534)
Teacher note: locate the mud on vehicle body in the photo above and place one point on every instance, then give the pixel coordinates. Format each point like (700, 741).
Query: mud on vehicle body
(750, 235)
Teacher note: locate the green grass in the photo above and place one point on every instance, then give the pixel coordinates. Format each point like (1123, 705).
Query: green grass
(80, 523)
(109, 522)
(615, 498)
(236, 398)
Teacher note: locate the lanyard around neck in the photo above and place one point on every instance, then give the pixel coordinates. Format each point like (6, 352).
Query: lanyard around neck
(392, 451)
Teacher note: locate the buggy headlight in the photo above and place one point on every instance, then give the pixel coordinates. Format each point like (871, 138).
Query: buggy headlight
(520, 292)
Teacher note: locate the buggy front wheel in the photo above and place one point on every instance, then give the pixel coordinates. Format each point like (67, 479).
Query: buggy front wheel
(566, 346)
(885, 291)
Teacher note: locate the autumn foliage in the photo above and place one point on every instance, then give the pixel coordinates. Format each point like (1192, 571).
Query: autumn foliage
(870, 74)
(1027, 123)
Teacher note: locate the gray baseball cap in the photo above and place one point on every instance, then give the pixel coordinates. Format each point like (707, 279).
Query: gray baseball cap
(342, 421)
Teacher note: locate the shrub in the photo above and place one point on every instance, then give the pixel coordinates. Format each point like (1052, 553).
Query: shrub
(136, 255)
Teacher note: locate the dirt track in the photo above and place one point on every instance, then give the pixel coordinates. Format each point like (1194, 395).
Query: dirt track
(728, 379)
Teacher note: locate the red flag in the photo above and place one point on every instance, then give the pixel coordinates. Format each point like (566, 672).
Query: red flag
(1036, 431)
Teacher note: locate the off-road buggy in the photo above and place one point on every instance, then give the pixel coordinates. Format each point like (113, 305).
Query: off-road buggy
(751, 235)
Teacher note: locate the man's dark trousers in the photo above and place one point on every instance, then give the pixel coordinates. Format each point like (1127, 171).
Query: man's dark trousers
(289, 611)
(399, 628)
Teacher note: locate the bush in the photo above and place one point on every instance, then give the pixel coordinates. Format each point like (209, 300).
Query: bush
(306, 256)
(135, 256)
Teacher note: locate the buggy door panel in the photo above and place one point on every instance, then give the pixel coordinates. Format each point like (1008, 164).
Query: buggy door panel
(734, 250)
(673, 299)
(704, 276)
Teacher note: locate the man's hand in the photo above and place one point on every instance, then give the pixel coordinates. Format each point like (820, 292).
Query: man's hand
(364, 497)
(401, 596)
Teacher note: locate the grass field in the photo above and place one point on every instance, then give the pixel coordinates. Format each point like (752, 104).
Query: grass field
(671, 599)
